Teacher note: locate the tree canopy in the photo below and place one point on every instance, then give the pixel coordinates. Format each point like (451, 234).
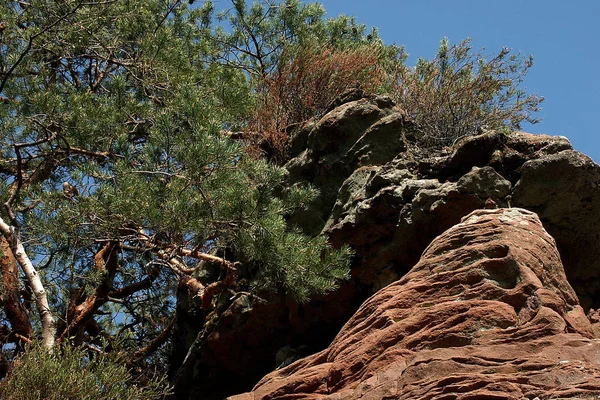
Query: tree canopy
(120, 183)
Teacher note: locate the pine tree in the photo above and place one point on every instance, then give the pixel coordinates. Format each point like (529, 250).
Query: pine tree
(121, 184)
(128, 170)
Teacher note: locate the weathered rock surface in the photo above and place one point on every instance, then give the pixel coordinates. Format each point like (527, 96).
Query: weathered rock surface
(390, 213)
(389, 201)
(487, 313)
(564, 189)
(361, 132)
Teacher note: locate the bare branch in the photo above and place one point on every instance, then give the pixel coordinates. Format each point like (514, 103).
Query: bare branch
(155, 343)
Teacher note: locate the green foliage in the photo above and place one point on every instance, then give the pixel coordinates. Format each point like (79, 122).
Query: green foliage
(460, 92)
(306, 273)
(297, 62)
(261, 32)
(131, 103)
(71, 373)
(137, 104)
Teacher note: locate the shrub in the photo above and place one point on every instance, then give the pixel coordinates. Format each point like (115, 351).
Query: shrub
(458, 93)
(305, 83)
(69, 373)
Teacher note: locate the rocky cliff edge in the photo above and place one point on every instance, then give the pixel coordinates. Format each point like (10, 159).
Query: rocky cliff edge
(487, 313)
(389, 199)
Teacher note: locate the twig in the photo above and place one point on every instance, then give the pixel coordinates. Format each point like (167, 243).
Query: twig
(30, 42)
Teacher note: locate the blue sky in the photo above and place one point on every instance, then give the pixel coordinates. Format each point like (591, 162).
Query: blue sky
(564, 38)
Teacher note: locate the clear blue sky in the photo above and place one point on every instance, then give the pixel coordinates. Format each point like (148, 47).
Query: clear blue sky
(564, 38)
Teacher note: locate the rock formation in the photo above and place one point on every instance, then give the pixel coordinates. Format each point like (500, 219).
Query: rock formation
(487, 313)
(389, 199)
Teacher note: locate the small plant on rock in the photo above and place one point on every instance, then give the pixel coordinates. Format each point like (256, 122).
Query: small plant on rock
(459, 93)
(305, 83)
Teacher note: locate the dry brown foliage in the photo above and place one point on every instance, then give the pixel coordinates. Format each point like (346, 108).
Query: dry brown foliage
(305, 83)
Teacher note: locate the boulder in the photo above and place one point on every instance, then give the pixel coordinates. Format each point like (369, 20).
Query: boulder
(362, 131)
(487, 312)
(483, 182)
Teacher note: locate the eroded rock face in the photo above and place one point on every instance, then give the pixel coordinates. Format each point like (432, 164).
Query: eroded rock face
(389, 213)
(389, 201)
(361, 132)
(564, 189)
(486, 313)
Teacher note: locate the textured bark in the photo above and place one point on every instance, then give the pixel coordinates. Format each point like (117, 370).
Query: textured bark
(106, 261)
(205, 292)
(41, 298)
(16, 312)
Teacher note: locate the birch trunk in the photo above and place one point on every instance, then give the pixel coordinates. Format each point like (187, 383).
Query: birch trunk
(41, 299)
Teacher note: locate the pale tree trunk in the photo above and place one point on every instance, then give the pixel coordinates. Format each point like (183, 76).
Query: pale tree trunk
(16, 312)
(41, 299)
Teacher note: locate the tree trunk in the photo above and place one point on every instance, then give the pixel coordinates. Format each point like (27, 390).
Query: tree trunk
(16, 312)
(41, 299)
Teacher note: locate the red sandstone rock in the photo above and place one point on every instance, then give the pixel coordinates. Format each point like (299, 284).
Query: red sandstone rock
(487, 313)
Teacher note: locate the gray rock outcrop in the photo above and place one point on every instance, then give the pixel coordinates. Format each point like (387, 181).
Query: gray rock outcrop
(388, 200)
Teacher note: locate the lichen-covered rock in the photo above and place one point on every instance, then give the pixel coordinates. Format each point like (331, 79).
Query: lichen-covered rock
(404, 204)
(486, 313)
(564, 189)
(483, 182)
(381, 142)
(361, 132)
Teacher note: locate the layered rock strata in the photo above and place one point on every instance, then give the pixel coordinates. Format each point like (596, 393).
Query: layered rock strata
(487, 313)
(388, 199)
